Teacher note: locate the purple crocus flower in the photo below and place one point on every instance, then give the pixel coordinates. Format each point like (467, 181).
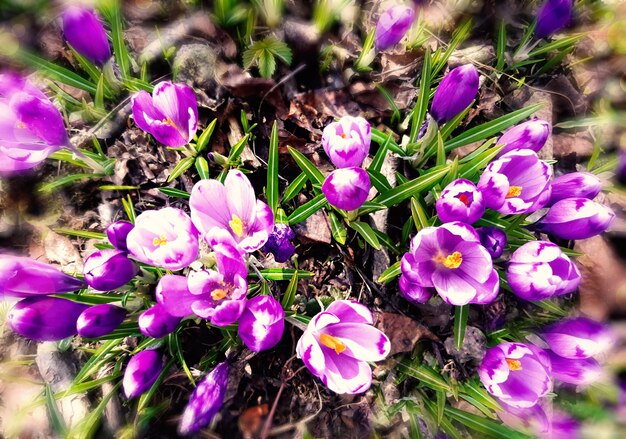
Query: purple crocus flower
(84, 31)
(553, 16)
(347, 188)
(45, 318)
(164, 238)
(533, 418)
(578, 337)
(31, 128)
(100, 320)
(347, 142)
(141, 372)
(108, 269)
(575, 185)
(579, 372)
(338, 344)
(156, 322)
(279, 243)
(493, 239)
(563, 426)
(262, 323)
(25, 277)
(233, 207)
(117, 233)
(539, 270)
(392, 25)
(620, 170)
(532, 134)
(518, 182)
(170, 114)
(205, 401)
(414, 292)
(455, 92)
(450, 260)
(460, 201)
(516, 373)
(576, 218)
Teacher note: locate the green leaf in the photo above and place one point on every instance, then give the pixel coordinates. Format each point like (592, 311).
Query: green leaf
(307, 209)
(290, 292)
(475, 390)
(461, 314)
(64, 181)
(424, 374)
(272, 171)
(264, 54)
(55, 72)
(202, 166)
(404, 191)
(421, 106)
(468, 170)
(54, 414)
(441, 404)
(307, 167)
(365, 230)
(337, 228)
(420, 217)
(88, 426)
(501, 46)
(559, 44)
(173, 192)
(79, 233)
(295, 187)
(204, 138)
(381, 138)
(267, 64)
(113, 13)
(390, 273)
(482, 425)
(98, 100)
(284, 273)
(181, 167)
(379, 181)
(129, 208)
(379, 158)
(177, 351)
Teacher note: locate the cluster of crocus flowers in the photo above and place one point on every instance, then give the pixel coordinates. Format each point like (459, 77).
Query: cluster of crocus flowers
(83, 30)
(392, 25)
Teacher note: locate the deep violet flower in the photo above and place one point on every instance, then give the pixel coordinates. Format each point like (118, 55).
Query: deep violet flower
(460, 201)
(493, 239)
(339, 342)
(579, 372)
(347, 188)
(576, 218)
(553, 16)
(233, 207)
(117, 233)
(455, 92)
(279, 243)
(539, 270)
(347, 142)
(156, 322)
(262, 323)
(45, 318)
(578, 337)
(108, 269)
(164, 238)
(100, 320)
(170, 114)
(141, 372)
(532, 134)
(450, 260)
(392, 25)
(516, 373)
(575, 185)
(84, 31)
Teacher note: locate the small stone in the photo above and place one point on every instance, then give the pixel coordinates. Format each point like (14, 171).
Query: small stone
(315, 228)
(473, 348)
(572, 145)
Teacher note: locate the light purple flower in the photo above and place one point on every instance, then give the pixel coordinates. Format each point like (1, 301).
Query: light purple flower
(518, 182)
(156, 322)
(45, 318)
(347, 188)
(493, 239)
(262, 323)
(164, 238)
(108, 269)
(455, 92)
(279, 243)
(84, 31)
(141, 372)
(392, 25)
(117, 233)
(170, 114)
(460, 201)
(563, 426)
(532, 418)
(205, 401)
(347, 142)
(414, 292)
(576, 218)
(553, 16)
(233, 207)
(578, 337)
(516, 373)
(100, 320)
(25, 277)
(575, 185)
(338, 344)
(451, 260)
(580, 372)
(532, 134)
(539, 270)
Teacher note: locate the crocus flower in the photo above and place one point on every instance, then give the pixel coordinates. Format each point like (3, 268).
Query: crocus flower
(563, 426)
(262, 323)
(205, 401)
(451, 260)
(553, 16)
(164, 238)
(516, 373)
(460, 201)
(347, 188)
(170, 114)
(576, 218)
(414, 292)
(347, 142)
(45, 318)
(532, 135)
(117, 233)
(539, 270)
(518, 182)
(392, 25)
(575, 185)
(339, 342)
(493, 239)
(108, 269)
(534, 419)
(156, 322)
(580, 372)
(578, 337)
(83, 30)
(31, 129)
(24, 277)
(620, 170)
(279, 243)
(141, 372)
(233, 207)
(455, 92)
(100, 320)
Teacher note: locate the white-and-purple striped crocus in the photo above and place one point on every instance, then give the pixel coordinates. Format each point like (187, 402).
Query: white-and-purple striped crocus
(578, 337)
(517, 182)
(518, 374)
(108, 269)
(347, 188)
(84, 31)
(553, 16)
(451, 261)
(141, 372)
(532, 134)
(460, 201)
(262, 323)
(576, 218)
(44, 318)
(392, 25)
(338, 344)
(493, 239)
(233, 207)
(347, 141)
(579, 372)
(100, 320)
(575, 185)
(454, 93)
(170, 114)
(539, 270)
(164, 238)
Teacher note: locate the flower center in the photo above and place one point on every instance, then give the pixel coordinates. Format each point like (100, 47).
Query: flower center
(514, 364)
(159, 241)
(343, 135)
(170, 122)
(332, 342)
(20, 125)
(218, 294)
(451, 261)
(464, 199)
(514, 191)
(236, 225)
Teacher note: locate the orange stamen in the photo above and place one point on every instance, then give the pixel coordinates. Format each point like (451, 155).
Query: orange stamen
(514, 191)
(514, 364)
(333, 343)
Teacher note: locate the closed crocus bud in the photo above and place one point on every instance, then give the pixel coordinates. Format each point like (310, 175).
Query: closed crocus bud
(460, 201)
(100, 320)
(392, 25)
(493, 239)
(580, 372)
(205, 401)
(576, 218)
(108, 269)
(575, 185)
(578, 338)
(156, 322)
(83, 31)
(279, 243)
(347, 142)
(262, 323)
(347, 188)
(141, 372)
(455, 92)
(553, 16)
(24, 277)
(414, 292)
(532, 135)
(117, 234)
(45, 318)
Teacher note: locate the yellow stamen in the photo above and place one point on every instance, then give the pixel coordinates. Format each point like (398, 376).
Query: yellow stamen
(332, 342)
(236, 225)
(218, 294)
(514, 191)
(451, 261)
(160, 241)
(343, 136)
(170, 122)
(20, 125)
(514, 364)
